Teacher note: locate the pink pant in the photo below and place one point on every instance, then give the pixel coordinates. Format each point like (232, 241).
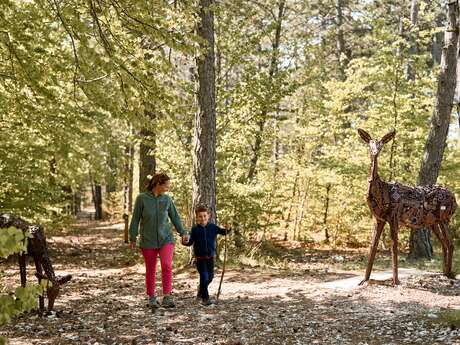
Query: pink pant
(150, 257)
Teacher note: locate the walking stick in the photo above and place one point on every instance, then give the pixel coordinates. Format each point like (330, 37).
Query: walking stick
(223, 266)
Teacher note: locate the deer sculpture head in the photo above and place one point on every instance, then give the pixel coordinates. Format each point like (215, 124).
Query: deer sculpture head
(53, 287)
(37, 249)
(375, 146)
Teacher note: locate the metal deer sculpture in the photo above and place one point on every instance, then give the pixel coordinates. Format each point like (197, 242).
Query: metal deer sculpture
(415, 207)
(36, 248)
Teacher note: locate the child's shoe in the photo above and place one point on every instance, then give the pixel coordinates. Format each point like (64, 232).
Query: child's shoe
(168, 302)
(207, 301)
(153, 302)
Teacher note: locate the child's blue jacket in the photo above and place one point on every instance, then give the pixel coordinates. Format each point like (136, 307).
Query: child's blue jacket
(203, 239)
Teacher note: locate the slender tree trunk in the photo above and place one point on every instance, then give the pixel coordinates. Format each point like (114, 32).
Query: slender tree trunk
(413, 38)
(299, 214)
(76, 202)
(68, 196)
(437, 136)
(264, 112)
(276, 145)
(111, 179)
(326, 210)
(204, 148)
(97, 199)
(128, 187)
(53, 172)
(291, 204)
(397, 78)
(341, 52)
(302, 211)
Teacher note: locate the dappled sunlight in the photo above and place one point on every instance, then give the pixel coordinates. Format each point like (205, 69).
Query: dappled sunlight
(105, 301)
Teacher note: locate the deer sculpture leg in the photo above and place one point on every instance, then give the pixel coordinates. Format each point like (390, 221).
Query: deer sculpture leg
(22, 269)
(394, 250)
(41, 298)
(449, 247)
(442, 234)
(439, 235)
(373, 250)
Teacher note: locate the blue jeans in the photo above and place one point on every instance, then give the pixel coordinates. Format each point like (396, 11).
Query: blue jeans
(205, 268)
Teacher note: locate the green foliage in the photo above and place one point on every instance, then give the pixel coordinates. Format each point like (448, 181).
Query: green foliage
(12, 240)
(72, 76)
(24, 300)
(79, 80)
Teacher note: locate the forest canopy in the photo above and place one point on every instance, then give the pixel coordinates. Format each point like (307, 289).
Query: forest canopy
(86, 86)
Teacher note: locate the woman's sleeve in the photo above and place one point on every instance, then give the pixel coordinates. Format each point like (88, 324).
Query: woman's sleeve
(137, 213)
(175, 219)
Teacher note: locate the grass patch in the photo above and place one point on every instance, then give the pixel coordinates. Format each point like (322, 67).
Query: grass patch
(448, 318)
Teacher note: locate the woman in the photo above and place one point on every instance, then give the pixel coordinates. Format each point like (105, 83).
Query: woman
(152, 210)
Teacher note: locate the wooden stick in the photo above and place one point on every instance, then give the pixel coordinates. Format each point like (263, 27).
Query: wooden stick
(223, 266)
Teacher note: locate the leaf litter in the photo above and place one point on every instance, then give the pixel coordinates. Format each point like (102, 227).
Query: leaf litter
(105, 303)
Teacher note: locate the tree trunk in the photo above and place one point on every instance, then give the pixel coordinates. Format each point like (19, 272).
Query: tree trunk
(111, 178)
(128, 187)
(300, 212)
(147, 163)
(341, 52)
(291, 204)
(413, 47)
(326, 209)
(437, 41)
(204, 148)
(264, 112)
(53, 172)
(97, 199)
(436, 141)
(76, 202)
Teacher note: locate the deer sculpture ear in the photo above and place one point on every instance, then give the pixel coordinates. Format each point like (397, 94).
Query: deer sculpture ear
(65, 279)
(387, 137)
(364, 135)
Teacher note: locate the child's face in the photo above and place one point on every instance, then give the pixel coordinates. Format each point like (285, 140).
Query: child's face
(202, 218)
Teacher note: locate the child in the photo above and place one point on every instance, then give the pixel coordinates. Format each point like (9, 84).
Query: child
(203, 238)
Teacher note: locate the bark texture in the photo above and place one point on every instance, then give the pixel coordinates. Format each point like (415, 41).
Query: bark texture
(204, 148)
(439, 128)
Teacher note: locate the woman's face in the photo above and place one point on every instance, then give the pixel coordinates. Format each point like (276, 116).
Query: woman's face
(162, 188)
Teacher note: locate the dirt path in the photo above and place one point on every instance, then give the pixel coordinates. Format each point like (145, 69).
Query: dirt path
(105, 303)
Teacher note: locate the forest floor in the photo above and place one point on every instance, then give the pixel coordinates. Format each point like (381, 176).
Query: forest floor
(313, 300)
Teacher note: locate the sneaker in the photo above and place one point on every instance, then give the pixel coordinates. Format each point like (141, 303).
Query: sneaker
(153, 302)
(207, 301)
(168, 302)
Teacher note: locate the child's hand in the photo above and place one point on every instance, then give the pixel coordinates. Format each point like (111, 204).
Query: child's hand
(185, 239)
(227, 227)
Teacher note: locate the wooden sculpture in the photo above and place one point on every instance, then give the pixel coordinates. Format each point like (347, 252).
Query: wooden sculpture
(429, 207)
(36, 248)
